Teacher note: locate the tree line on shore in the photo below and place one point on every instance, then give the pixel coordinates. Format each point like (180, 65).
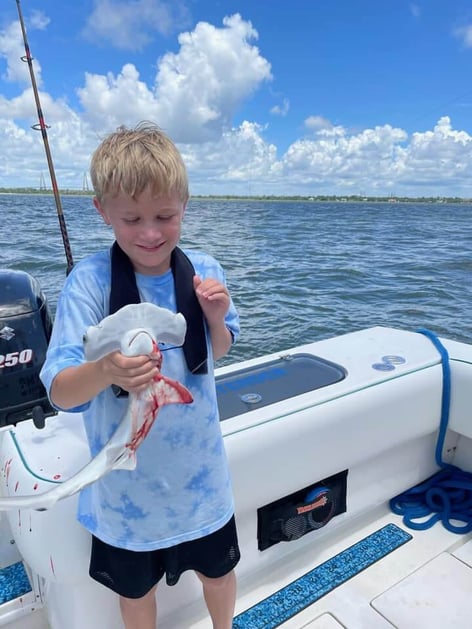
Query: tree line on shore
(305, 198)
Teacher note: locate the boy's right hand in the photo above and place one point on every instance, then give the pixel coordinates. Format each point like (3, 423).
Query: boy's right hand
(77, 385)
(131, 373)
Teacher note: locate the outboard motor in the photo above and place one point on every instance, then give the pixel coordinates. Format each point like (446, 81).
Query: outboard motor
(25, 329)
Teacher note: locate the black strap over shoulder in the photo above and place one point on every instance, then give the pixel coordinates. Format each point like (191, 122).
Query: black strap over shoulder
(124, 291)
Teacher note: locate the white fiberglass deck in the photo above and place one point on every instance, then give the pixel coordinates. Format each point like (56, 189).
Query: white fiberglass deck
(426, 583)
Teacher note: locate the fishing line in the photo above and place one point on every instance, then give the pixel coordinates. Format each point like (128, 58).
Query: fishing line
(42, 126)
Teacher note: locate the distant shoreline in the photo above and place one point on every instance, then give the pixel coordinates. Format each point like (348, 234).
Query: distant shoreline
(295, 198)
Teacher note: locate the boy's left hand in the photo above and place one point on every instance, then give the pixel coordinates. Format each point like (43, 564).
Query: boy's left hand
(213, 298)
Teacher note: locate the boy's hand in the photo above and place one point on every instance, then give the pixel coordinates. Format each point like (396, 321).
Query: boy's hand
(131, 373)
(213, 298)
(77, 385)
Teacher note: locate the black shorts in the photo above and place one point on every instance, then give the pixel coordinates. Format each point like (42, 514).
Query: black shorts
(133, 573)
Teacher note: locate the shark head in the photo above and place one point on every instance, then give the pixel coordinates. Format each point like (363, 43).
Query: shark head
(158, 324)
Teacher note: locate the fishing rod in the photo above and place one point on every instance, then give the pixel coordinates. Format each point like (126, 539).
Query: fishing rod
(42, 126)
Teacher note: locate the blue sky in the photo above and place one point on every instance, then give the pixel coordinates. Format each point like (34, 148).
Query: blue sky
(309, 97)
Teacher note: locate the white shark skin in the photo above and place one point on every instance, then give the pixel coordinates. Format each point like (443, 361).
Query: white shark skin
(162, 325)
(120, 450)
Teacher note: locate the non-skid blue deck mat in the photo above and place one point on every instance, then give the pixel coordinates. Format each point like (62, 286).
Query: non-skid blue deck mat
(14, 582)
(293, 598)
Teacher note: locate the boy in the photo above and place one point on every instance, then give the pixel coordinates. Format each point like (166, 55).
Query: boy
(175, 511)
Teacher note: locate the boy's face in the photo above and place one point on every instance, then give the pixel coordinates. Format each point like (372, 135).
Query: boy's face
(147, 229)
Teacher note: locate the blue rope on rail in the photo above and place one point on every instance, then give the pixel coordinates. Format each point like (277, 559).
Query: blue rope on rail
(446, 496)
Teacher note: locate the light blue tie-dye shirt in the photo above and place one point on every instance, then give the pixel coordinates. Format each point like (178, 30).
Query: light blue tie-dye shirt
(181, 488)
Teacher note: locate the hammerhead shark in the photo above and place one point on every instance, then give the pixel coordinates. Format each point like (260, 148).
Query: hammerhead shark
(134, 330)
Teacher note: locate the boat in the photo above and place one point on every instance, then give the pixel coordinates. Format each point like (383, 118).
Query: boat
(325, 442)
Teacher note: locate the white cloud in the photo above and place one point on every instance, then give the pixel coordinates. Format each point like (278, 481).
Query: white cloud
(335, 161)
(317, 123)
(240, 157)
(281, 110)
(12, 49)
(133, 25)
(200, 88)
(375, 159)
(438, 155)
(465, 34)
(197, 91)
(38, 20)
(109, 101)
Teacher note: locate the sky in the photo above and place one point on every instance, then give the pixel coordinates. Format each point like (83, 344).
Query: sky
(262, 97)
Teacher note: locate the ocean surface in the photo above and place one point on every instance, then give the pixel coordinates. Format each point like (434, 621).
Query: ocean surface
(298, 271)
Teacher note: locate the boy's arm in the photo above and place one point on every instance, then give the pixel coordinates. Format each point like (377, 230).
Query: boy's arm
(77, 385)
(214, 300)
(221, 340)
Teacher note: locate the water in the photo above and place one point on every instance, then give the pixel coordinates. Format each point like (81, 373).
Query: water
(298, 272)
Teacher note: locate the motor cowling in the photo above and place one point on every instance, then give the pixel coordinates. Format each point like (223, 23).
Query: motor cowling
(25, 329)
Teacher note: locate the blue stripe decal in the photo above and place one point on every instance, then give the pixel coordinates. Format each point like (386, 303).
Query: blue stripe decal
(271, 612)
(14, 582)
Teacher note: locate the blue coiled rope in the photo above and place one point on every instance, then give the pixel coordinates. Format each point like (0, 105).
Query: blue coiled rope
(446, 496)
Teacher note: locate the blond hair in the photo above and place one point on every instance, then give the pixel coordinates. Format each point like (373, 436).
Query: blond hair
(131, 160)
